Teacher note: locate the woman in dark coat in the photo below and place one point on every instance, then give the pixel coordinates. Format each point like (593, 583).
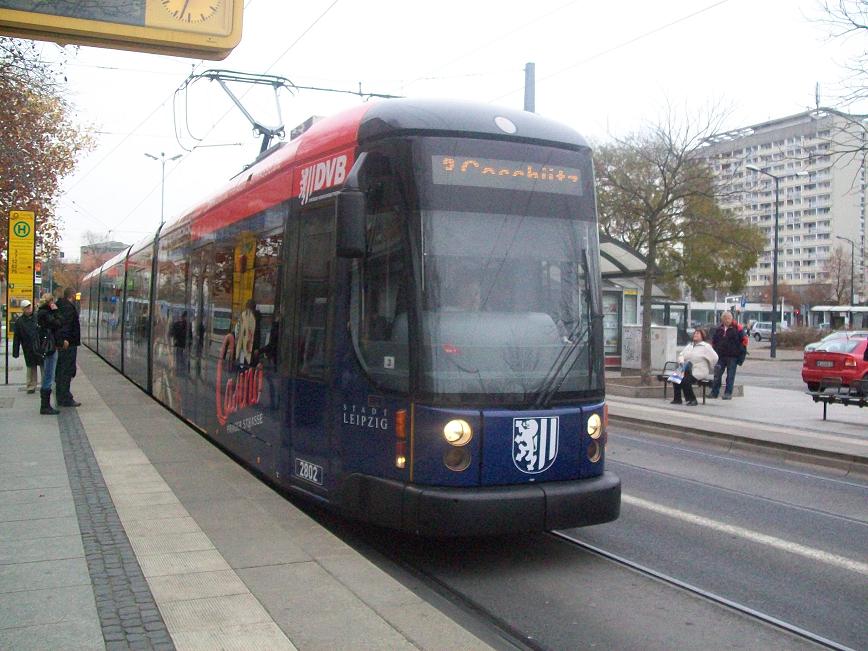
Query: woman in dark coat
(26, 338)
(49, 323)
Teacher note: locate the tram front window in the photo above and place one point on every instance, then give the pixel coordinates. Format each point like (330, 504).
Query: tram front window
(498, 306)
(506, 297)
(509, 246)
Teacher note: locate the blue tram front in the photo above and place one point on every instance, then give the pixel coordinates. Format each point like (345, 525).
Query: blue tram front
(397, 313)
(468, 389)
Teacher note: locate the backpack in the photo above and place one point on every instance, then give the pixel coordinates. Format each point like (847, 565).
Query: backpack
(744, 341)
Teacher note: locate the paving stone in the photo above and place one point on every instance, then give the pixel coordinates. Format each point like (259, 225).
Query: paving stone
(111, 562)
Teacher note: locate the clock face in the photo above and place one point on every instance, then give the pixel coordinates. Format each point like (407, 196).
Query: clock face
(191, 11)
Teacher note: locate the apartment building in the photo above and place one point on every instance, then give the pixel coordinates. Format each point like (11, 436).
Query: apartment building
(820, 168)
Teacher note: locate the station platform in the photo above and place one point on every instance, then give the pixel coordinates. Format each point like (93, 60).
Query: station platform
(121, 527)
(779, 422)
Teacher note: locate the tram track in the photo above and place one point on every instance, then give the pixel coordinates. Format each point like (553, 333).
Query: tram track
(705, 594)
(458, 595)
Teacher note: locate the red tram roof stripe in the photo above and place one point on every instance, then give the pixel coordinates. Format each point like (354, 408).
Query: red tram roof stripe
(276, 178)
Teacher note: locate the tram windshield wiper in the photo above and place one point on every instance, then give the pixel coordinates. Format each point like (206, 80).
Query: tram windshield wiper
(569, 355)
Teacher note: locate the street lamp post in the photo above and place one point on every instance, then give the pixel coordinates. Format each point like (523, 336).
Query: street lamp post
(163, 160)
(774, 333)
(852, 274)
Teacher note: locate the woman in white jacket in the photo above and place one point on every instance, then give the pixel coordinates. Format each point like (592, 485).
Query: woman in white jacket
(697, 359)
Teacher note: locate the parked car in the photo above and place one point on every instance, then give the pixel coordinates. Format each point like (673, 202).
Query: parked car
(836, 336)
(763, 330)
(841, 359)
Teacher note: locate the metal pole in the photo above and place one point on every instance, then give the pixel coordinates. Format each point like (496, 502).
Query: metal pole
(163, 160)
(163, 189)
(6, 316)
(852, 275)
(529, 87)
(774, 336)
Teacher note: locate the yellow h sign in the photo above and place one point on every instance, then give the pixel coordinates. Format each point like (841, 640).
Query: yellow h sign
(22, 247)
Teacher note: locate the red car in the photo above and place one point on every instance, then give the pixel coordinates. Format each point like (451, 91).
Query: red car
(845, 360)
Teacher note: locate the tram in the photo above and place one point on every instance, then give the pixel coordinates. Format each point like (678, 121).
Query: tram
(397, 313)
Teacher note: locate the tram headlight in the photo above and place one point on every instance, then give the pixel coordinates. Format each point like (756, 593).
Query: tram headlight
(595, 426)
(457, 459)
(595, 452)
(457, 432)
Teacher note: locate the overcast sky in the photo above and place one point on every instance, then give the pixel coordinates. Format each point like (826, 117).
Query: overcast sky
(603, 68)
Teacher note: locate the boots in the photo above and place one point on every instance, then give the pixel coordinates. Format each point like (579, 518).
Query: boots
(45, 409)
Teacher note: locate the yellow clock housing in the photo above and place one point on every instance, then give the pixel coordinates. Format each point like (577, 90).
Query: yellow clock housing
(206, 29)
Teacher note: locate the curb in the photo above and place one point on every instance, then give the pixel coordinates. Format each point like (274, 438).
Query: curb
(847, 465)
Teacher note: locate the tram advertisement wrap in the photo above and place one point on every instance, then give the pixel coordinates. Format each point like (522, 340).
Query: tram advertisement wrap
(237, 388)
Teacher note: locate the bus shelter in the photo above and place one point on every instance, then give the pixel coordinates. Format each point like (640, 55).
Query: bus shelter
(623, 270)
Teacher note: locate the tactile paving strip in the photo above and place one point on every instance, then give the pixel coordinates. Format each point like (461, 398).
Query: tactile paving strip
(128, 614)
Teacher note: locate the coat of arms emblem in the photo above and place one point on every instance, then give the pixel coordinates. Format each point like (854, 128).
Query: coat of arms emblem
(534, 443)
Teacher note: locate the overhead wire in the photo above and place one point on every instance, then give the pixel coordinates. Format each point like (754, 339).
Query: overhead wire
(228, 111)
(619, 46)
(466, 54)
(133, 132)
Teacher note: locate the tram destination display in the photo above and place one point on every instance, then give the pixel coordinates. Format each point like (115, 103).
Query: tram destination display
(505, 175)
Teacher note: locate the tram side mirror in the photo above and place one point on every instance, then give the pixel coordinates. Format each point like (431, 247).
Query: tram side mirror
(350, 215)
(351, 223)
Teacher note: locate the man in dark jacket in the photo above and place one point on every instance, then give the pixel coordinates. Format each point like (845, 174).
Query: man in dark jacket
(69, 340)
(727, 343)
(26, 338)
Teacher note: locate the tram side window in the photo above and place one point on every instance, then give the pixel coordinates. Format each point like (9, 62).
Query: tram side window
(379, 323)
(317, 249)
(138, 295)
(221, 305)
(266, 294)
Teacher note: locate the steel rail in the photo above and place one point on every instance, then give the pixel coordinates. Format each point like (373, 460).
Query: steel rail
(733, 605)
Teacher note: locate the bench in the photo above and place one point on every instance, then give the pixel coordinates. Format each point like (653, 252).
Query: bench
(669, 367)
(831, 392)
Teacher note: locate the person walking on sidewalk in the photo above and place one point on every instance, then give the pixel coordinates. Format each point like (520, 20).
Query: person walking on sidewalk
(727, 343)
(67, 347)
(698, 360)
(26, 338)
(49, 325)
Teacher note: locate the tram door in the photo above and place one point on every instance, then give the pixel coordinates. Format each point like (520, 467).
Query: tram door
(312, 452)
(200, 301)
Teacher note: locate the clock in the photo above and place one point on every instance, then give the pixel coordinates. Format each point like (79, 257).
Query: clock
(191, 11)
(209, 18)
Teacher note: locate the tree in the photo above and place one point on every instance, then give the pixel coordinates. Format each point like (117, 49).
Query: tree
(717, 252)
(655, 192)
(836, 274)
(849, 19)
(67, 274)
(39, 141)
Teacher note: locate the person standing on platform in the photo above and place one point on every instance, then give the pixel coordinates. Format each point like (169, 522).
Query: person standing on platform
(698, 360)
(48, 322)
(26, 338)
(727, 343)
(67, 347)
(181, 333)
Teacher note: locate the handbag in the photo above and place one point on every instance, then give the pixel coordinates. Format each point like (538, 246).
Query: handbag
(45, 347)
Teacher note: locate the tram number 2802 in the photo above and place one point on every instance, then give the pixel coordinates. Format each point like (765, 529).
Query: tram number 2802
(308, 471)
